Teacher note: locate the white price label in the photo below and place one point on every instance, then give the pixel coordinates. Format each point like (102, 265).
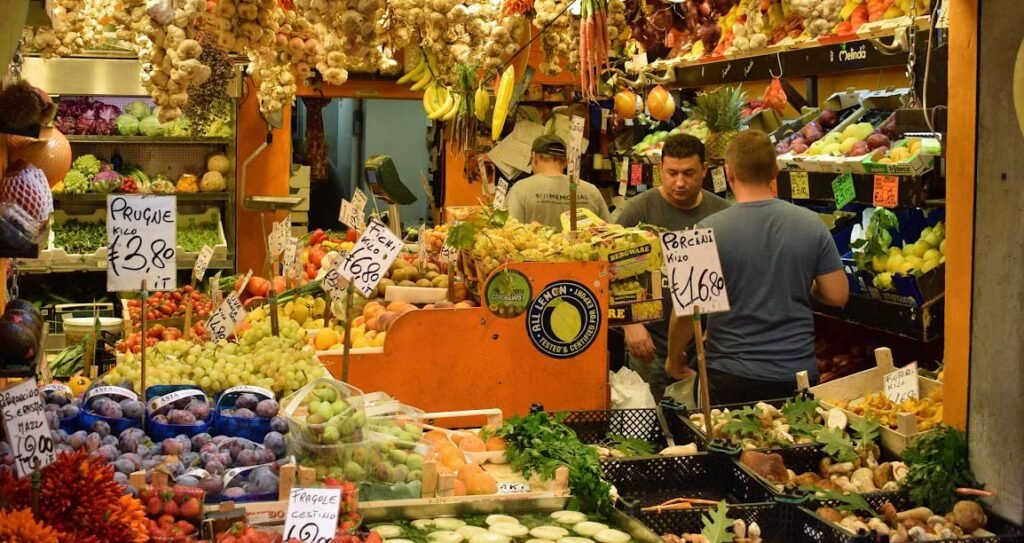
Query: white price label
(376, 249)
(449, 254)
(279, 236)
(245, 281)
(694, 271)
(167, 399)
(513, 488)
(112, 391)
(350, 215)
(58, 387)
(499, 194)
(224, 320)
(718, 179)
(575, 144)
(241, 389)
(291, 250)
(312, 515)
(24, 421)
(359, 200)
(198, 473)
(333, 283)
(902, 384)
(141, 241)
(202, 262)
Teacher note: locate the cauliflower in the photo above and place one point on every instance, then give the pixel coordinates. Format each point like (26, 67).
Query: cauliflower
(88, 165)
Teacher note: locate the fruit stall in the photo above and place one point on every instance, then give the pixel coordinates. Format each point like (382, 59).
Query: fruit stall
(186, 354)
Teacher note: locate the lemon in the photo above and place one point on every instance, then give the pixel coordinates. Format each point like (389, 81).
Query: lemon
(566, 322)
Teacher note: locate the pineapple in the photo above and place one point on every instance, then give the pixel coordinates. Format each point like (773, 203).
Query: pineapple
(721, 110)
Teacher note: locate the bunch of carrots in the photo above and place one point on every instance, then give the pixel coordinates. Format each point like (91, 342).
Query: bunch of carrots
(594, 45)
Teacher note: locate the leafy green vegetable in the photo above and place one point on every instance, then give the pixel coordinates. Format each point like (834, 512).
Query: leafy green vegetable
(744, 422)
(540, 444)
(629, 446)
(800, 408)
(876, 238)
(87, 164)
(939, 464)
(77, 237)
(852, 502)
(717, 524)
(865, 431)
(191, 238)
(836, 444)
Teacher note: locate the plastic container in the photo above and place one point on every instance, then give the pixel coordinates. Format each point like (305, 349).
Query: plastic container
(594, 427)
(341, 421)
(76, 328)
(254, 428)
(162, 398)
(86, 417)
(773, 519)
(244, 478)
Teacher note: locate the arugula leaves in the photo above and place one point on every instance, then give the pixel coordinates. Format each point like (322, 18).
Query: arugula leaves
(717, 524)
(540, 444)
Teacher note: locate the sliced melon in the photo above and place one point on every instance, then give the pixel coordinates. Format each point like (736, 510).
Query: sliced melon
(551, 533)
(489, 537)
(470, 531)
(387, 531)
(423, 523)
(510, 530)
(568, 517)
(450, 524)
(445, 536)
(588, 528)
(611, 535)
(501, 519)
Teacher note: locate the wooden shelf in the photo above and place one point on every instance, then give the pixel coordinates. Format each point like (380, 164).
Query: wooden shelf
(150, 140)
(182, 197)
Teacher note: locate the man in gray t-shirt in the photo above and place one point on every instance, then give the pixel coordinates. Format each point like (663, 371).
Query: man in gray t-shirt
(775, 256)
(678, 204)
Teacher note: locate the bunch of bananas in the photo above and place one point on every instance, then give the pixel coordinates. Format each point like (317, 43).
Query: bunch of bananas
(423, 74)
(440, 103)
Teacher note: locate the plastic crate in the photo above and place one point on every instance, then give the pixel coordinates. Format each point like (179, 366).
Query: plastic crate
(652, 480)
(593, 427)
(698, 435)
(774, 519)
(808, 527)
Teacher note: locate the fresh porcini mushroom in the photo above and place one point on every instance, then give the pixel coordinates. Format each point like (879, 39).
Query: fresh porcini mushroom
(920, 514)
(899, 471)
(739, 529)
(854, 524)
(829, 514)
(863, 480)
(836, 419)
(969, 516)
(882, 474)
(680, 450)
(754, 531)
(878, 526)
(918, 533)
(841, 468)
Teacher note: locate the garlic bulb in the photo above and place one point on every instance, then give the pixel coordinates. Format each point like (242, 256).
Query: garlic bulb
(75, 25)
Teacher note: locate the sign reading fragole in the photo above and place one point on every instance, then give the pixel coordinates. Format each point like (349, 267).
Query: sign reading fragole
(564, 319)
(24, 421)
(312, 515)
(224, 320)
(376, 249)
(141, 240)
(902, 384)
(694, 271)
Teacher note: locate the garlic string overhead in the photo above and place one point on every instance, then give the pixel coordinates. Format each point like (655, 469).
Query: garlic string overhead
(75, 25)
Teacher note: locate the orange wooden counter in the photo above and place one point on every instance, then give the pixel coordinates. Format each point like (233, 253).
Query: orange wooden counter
(457, 359)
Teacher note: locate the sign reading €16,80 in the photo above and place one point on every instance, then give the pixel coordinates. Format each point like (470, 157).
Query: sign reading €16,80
(694, 272)
(564, 319)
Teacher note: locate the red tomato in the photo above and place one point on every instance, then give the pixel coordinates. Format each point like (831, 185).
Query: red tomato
(351, 235)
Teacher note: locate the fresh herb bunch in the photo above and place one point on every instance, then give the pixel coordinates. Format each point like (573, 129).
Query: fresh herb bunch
(877, 239)
(939, 464)
(628, 446)
(539, 443)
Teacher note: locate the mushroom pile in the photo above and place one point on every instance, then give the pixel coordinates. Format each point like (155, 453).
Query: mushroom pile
(967, 519)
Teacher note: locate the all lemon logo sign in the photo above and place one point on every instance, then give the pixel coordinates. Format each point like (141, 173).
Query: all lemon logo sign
(564, 319)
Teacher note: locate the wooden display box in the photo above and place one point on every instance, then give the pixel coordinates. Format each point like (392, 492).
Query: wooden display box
(868, 381)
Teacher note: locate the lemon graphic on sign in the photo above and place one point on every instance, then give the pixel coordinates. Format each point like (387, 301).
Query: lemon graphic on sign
(566, 320)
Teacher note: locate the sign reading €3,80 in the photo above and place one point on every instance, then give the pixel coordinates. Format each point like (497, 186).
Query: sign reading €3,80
(564, 319)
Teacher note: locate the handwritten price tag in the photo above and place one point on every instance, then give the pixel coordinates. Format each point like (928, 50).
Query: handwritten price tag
(202, 262)
(371, 257)
(887, 191)
(694, 271)
(499, 194)
(636, 173)
(843, 190)
(575, 144)
(141, 236)
(291, 249)
(449, 254)
(224, 320)
(799, 188)
(902, 384)
(279, 236)
(359, 199)
(350, 215)
(312, 514)
(24, 421)
(245, 281)
(718, 179)
(513, 488)
(333, 283)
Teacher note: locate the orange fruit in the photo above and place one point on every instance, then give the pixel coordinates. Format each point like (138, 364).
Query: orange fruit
(496, 443)
(452, 458)
(467, 471)
(457, 437)
(460, 488)
(472, 444)
(435, 437)
(481, 484)
(325, 339)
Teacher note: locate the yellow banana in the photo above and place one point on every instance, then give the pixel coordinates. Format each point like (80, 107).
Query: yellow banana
(447, 102)
(423, 81)
(429, 99)
(431, 62)
(454, 111)
(413, 74)
(481, 103)
(502, 100)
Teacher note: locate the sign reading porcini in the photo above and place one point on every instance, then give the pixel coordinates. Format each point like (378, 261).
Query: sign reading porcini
(694, 271)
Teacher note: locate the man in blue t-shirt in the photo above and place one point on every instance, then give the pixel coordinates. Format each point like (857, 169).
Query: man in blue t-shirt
(775, 256)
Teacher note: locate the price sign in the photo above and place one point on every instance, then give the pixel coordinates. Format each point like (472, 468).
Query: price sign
(575, 144)
(499, 194)
(279, 236)
(623, 176)
(449, 254)
(718, 179)
(359, 200)
(799, 188)
(636, 173)
(111, 391)
(312, 515)
(24, 421)
(371, 257)
(224, 320)
(513, 488)
(350, 215)
(902, 384)
(333, 283)
(843, 190)
(141, 240)
(656, 173)
(291, 249)
(202, 262)
(58, 387)
(694, 271)
(887, 191)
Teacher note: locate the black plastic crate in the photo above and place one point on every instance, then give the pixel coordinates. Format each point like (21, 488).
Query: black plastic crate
(652, 480)
(808, 527)
(691, 432)
(804, 459)
(774, 519)
(593, 427)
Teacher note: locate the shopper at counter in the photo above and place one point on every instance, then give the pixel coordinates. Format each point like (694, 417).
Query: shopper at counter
(544, 196)
(679, 203)
(775, 256)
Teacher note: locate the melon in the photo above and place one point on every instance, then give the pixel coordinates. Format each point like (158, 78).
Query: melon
(25, 185)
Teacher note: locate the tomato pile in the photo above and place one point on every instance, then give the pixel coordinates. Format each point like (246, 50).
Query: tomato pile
(240, 532)
(371, 537)
(165, 305)
(157, 333)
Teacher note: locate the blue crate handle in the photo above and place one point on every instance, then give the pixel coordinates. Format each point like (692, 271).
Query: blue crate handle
(721, 446)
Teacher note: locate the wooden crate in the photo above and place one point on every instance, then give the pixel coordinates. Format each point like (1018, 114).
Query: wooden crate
(868, 381)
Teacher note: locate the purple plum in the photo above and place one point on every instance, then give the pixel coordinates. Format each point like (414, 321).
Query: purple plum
(77, 439)
(53, 420)
(109, 452)
(133, 409)
(275, 443)
(161, 419)
(246, 458)
(265, 456)
(244, 413)
(170, 446)
(123, 465)
(101, 427)
(267, 409)
(200, 440)
(279, 424)
(199, 410)
(69, 411)
(187, 480)
(178, 416)
(93, 442)
(246, 401)
(212, 485)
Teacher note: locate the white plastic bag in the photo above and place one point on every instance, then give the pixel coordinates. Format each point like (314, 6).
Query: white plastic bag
(629, 390)
(682, 391)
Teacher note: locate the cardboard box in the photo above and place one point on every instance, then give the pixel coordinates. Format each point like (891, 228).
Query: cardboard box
(636, 299)
(634, 261)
